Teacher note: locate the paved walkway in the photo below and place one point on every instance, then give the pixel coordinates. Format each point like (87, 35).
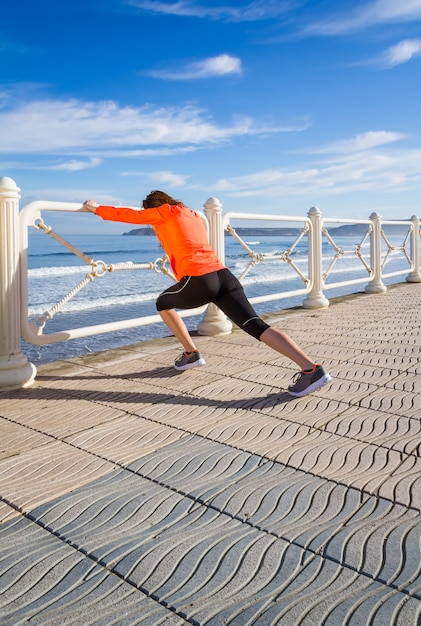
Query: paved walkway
(135, 494)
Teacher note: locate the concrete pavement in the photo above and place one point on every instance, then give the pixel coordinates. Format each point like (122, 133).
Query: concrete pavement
(135, 494)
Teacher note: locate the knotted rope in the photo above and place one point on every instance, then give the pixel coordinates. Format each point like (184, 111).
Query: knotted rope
(98, 269)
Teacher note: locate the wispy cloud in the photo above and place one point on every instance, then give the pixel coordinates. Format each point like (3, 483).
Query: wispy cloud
(363, 169)
(221, 65)
(249, 12)
(402, 52)
(161, 177)
(145, 152)
(75, 166)
(361, 142)
(366, 15)
(77, 127)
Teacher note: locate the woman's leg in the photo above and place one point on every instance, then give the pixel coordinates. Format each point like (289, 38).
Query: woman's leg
(235, 304)
(281, 342)
(178, 328)
(190, 292)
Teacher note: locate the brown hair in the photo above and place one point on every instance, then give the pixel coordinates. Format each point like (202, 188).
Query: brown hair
(158, 198)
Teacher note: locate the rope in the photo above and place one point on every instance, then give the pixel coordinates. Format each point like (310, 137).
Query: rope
(39, 223)
(98, 269)
(340, 252)
(259, 257)
(40, 321)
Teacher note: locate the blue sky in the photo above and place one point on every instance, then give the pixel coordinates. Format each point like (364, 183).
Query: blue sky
(270, 106)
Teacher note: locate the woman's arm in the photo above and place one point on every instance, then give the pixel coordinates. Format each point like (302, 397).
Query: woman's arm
(123, 214)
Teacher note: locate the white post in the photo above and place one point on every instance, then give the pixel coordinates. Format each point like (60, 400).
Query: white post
(315, 298)
(415, 276)
(214, 321)
(376, 284)
(15, 370)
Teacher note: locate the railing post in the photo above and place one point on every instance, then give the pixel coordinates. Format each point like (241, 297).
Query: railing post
(214, 321)
(376, 284)
(415, 276)
(15, 370)
(315, 299)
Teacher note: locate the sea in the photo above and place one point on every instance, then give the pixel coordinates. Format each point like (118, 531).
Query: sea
(54, 271)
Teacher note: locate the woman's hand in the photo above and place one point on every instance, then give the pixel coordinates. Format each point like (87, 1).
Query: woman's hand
(90, 205)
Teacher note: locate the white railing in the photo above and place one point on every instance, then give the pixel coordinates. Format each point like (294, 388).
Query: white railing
(32, 330)
(285, 256)
(316, 229)
(372, 253)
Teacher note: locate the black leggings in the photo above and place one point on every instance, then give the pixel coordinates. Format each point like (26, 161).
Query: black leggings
(220, 287)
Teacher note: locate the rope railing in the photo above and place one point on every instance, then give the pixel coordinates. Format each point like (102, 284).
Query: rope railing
(401, 248)
(312, 285)
(340, 252)
(33, 330)
(379, 250)
(98, 269)
(368, 252)
(258, 257)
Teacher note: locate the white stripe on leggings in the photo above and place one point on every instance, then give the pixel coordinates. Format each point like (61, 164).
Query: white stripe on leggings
(256, 317)
(173, 293)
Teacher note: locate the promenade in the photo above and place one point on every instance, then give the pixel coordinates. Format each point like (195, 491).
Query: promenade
(135, 494)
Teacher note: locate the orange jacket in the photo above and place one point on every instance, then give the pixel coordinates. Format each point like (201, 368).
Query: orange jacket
(181, 232)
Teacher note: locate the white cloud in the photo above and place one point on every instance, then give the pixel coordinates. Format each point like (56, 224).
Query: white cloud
(361, 142)
(253, 11)
(74, 126)
(369, 14)
(160, 177)
(146, 152)
(75, 166)
(221, 65)
(393, 11)
(402, 52)
(363, 170)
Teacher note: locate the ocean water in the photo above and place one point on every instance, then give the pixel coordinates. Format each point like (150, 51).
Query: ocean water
(53, 271)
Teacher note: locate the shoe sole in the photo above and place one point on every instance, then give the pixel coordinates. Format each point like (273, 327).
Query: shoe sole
(190, 366)
(313, 387)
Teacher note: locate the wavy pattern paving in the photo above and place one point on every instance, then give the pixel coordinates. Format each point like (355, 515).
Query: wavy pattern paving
(221, 536)
(131, 494)
(60, 585)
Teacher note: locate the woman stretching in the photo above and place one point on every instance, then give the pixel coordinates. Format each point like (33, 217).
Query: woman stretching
(203, 278)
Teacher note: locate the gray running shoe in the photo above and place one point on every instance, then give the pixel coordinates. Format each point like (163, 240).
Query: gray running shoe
(307, 382)
(187, 360)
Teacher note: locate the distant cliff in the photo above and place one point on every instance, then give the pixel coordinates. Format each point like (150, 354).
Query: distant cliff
(138, 232)
(344, 230)
(247, 232)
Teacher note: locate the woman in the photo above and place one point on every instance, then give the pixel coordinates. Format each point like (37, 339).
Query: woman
(203, 278)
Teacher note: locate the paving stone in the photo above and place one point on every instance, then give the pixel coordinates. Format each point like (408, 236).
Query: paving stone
(123, 441)
(134, 494)
(16, 439)
(46, 581)
(47, 471)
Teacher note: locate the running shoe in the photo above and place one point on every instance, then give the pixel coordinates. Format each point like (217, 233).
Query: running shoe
(187, 360)
(307, 382)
